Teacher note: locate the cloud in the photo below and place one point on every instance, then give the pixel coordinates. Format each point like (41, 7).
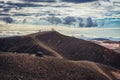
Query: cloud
(78, 1)
(75, 1)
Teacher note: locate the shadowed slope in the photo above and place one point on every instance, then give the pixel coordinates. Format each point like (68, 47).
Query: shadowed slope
(55, 44)
(26, 44)
(46, 47)
(77, 49)
(26, 67)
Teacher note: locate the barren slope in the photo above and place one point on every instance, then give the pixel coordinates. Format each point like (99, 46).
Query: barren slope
(55, 44)
(27, 67)
(78, 49)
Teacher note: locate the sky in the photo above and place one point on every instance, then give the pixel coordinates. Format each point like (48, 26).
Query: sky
(89, 18)
(72, 13)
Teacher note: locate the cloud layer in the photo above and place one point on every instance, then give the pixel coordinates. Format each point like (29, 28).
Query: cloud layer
(103, 12)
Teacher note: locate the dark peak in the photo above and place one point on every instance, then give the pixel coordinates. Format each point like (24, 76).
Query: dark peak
(45, 33)
(51, 32)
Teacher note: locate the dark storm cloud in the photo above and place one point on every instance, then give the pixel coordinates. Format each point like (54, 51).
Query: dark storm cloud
(79, 1)
(40, 0)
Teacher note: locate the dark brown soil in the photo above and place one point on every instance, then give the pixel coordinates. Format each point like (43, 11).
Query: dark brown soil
(28, 67)
(55, 44)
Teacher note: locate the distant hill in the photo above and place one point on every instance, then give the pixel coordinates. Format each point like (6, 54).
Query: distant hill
(27, 67)
(99, 39)
(55, 44)
(117, 50)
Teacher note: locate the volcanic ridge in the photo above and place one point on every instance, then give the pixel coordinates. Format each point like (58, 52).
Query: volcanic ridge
(50, 55)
